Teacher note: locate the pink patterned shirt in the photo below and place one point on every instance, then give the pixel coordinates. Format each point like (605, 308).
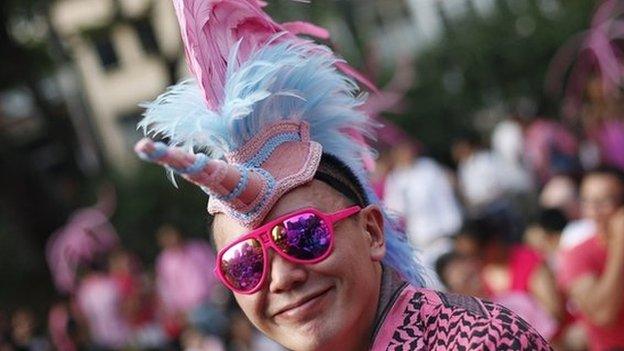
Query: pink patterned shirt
(412, 318)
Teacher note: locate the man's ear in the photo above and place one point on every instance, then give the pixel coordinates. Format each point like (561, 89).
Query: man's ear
(373, 224)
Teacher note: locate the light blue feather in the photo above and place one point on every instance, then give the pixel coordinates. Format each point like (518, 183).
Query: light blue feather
(287, 80)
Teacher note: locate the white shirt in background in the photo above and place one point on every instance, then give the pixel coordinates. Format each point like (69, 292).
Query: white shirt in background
(575, 232)
(482, 179)
(508, 144)
(422, 194)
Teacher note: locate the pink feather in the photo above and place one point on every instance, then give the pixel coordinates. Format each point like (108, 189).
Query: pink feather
(593, 52)
(210, 28)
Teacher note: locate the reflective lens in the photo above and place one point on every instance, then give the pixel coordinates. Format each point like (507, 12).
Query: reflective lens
(242, 264)
(303, 237)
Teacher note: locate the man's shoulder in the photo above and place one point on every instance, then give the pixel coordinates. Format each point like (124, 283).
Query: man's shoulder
(436, 304)
(437, 300)
(464, 321)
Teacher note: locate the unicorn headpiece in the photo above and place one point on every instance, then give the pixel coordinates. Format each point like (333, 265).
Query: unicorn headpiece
(264, 106)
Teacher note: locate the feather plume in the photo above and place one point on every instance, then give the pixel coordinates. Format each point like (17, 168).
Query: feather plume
(294, 80)
(211, 28)
(280, 81)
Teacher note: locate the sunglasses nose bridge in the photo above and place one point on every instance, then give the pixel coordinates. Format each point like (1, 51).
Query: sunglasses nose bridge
(264, 238)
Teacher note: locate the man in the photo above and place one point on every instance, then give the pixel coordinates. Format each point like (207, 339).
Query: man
(312, 259)
(485, 187)
(592, 272)
(420, 191)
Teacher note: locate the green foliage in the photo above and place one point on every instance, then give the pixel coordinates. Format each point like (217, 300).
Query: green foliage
(483, 62)
(148, 200)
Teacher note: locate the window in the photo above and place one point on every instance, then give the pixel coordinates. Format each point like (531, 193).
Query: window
(127, 123)
(147, 36)
(106, 51)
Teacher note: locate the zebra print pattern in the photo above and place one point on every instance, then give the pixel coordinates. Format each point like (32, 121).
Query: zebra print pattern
(437, 321)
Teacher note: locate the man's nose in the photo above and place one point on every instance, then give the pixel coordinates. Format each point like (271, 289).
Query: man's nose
(285, 275)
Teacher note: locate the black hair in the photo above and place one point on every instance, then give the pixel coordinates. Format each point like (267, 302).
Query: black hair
(469, 137)
(480, 230)
(339, 176)
(334, 173)
(443, 262)
(606, 170)
(552, 220)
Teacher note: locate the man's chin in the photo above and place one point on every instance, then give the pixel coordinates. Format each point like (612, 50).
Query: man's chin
(310, 343)
(313, 335)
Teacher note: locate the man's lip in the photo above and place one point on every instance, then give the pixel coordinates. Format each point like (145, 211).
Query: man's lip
(301, 302)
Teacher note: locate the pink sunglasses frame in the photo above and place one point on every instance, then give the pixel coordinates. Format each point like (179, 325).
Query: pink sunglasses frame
(262, 234)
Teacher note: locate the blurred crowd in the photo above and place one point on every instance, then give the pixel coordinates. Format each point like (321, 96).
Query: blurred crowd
(530, 215)
(112, 301)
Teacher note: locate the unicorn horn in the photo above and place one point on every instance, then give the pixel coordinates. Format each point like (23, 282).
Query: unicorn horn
(237, 186)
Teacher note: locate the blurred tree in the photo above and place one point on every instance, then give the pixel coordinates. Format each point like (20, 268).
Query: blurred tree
(489, 63)
(482, 62)
(147, 201)
(39, 179)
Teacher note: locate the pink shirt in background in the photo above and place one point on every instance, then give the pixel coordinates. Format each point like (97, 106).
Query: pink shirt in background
(58, 320)
(99, 300)
(589, 258)
(611, 141)
(184, 276)
(522, 264)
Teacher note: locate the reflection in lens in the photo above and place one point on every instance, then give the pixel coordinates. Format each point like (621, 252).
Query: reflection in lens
(305, 236)
(242, 263)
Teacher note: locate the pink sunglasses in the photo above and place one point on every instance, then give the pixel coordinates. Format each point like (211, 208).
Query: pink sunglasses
(305, 236)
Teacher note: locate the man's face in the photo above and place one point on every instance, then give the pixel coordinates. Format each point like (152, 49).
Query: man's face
(330, 305)
(462, 276)
(601, 195)
(461, 150)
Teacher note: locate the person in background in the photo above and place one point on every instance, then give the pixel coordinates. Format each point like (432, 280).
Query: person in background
(479, 173)
(509, 269)
(99, 301)
(62, 326)
(184, 278)
(551, 149)
(592, 272)
(484, 186)
(602, 117)
(138, 302)
(507, 141)
(461, 274)
(544, 235)
(561, 192)
(25, 334)
(419, 190)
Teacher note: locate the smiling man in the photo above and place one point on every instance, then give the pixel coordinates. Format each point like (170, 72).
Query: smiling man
(311, 257)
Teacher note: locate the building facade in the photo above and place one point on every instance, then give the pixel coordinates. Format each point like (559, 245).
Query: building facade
(126, 52)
